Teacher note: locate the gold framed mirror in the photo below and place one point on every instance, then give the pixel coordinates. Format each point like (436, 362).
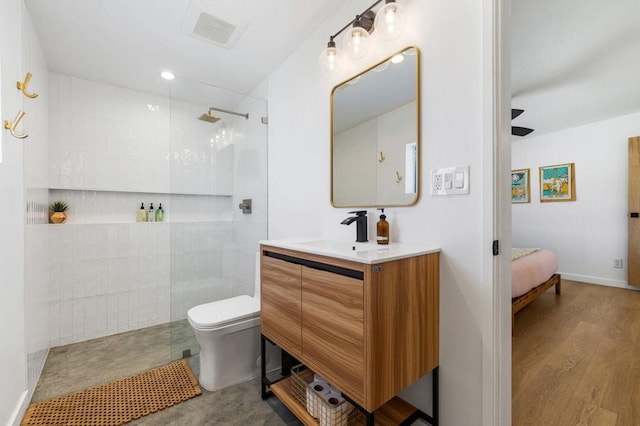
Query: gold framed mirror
(375, 134)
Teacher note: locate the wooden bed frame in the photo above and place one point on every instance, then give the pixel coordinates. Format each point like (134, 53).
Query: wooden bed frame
(520, 302)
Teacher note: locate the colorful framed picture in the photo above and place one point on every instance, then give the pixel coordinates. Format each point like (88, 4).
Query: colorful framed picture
(557, 183)
(520, 186)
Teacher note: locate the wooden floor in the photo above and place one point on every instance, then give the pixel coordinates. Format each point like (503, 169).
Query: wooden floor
(574, 358)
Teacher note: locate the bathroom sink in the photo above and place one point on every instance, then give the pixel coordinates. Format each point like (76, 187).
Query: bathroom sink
(339, 246)
(350, 250)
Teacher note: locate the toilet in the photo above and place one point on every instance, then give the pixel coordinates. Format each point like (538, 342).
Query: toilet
(228, 332)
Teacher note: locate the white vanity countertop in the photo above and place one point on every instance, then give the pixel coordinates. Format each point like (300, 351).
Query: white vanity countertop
(369, 252)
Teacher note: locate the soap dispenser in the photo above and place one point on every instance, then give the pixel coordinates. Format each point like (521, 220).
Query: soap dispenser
(160, 214)
(382, 229)
(142, 214)
(152, 213)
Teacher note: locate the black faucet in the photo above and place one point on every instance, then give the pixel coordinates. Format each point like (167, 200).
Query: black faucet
(361, 225)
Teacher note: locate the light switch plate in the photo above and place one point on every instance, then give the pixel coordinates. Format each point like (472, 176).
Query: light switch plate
(450, 181)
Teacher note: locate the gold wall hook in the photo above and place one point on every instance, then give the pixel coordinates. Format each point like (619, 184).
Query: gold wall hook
(12, 126)
(398, 177)
(23, 87)
(382, 157)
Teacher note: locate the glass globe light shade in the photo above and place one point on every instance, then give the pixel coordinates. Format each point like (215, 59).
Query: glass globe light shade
(330, 59)
(390, 21)
(356, 42)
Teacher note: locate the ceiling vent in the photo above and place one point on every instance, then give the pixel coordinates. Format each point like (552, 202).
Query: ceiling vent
(215, 26)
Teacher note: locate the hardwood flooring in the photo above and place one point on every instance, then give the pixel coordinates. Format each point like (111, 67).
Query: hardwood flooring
(573, 358)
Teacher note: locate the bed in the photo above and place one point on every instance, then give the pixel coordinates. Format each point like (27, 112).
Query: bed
(533, 271)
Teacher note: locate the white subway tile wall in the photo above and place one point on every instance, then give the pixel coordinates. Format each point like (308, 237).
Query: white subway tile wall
(100, 292)
(111, 149)
(107, 138)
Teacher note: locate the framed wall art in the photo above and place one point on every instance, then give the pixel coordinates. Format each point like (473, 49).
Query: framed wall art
(557, 183)
(520, 186)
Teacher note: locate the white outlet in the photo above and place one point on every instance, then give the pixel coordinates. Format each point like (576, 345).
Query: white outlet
(437, 182)
(617, 263)
(450, 181)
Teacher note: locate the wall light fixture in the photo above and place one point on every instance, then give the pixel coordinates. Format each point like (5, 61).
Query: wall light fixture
(388, 23)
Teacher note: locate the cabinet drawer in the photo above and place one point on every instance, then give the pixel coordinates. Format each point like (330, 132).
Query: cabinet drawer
(281, 303)
(333, 328)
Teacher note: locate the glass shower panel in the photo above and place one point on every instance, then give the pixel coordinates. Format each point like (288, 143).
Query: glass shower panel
(218, 158)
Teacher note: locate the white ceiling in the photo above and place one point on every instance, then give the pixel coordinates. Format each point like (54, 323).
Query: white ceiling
(128, 42)
(573, 61)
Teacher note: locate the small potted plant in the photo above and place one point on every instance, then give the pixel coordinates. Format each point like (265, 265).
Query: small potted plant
(58, 209)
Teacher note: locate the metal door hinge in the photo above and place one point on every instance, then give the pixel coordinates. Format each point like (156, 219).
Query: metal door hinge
(265, 120)
(496, 247)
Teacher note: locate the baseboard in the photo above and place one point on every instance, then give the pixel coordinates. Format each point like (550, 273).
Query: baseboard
(598, 280)
(35, 364)
(18, 412)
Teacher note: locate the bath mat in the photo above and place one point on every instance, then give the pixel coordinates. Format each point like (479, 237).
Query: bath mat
(120, 401)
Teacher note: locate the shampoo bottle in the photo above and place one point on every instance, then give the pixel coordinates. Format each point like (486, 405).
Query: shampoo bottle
(382, 229)
(160, 214)
(142, 214)
(152, 213)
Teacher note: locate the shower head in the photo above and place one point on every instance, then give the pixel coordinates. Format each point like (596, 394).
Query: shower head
(208, 117)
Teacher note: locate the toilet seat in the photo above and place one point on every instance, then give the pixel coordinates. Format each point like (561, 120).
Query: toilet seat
(221, 313)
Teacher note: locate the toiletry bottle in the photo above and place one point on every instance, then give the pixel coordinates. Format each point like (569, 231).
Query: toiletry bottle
(152, 213)
(142, 214)
(382, 235)
(160, 214)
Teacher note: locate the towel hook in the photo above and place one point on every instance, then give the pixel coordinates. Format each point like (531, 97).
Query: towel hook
(12, 126)
(22, 86)
(398, 177)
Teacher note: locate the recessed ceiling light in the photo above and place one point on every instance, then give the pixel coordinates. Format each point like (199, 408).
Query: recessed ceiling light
(167, 75)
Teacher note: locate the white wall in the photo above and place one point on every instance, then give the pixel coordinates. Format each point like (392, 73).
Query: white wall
(589, 233)
(12, 346)
(36, 153)
(449, 35)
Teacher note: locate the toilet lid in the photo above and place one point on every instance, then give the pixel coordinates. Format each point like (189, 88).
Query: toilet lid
(221, 312)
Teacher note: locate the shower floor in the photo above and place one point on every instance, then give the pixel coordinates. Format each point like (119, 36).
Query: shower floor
(79, 366)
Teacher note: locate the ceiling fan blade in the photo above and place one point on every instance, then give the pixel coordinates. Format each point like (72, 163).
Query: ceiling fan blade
(520, 131)
(516, 112)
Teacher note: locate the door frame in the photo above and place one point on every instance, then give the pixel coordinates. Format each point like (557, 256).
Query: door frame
(632, 207)
(496, 392)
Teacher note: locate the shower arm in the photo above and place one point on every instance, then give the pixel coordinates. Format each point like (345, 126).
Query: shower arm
(228, 112)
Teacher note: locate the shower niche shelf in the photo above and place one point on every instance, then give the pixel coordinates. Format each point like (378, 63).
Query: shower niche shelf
(128, 191)
(102, 207)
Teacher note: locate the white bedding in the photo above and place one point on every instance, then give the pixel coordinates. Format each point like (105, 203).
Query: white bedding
(531, 270)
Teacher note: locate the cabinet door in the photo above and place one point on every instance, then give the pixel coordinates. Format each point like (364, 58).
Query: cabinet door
(280, 303)
(333, 329)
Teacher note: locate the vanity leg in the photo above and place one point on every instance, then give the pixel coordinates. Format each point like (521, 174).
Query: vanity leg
(436, 397)
(433, 420)
(370, 419)
(287, 361)
(264, 391)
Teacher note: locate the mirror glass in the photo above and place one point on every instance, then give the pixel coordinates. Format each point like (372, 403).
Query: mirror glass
(375, 136)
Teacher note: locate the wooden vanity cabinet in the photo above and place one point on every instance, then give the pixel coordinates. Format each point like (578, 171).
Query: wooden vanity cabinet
(333, 328)
(371, 330)
(281, 303)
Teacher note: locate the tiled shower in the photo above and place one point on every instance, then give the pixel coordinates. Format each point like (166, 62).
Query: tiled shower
(105, 150)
